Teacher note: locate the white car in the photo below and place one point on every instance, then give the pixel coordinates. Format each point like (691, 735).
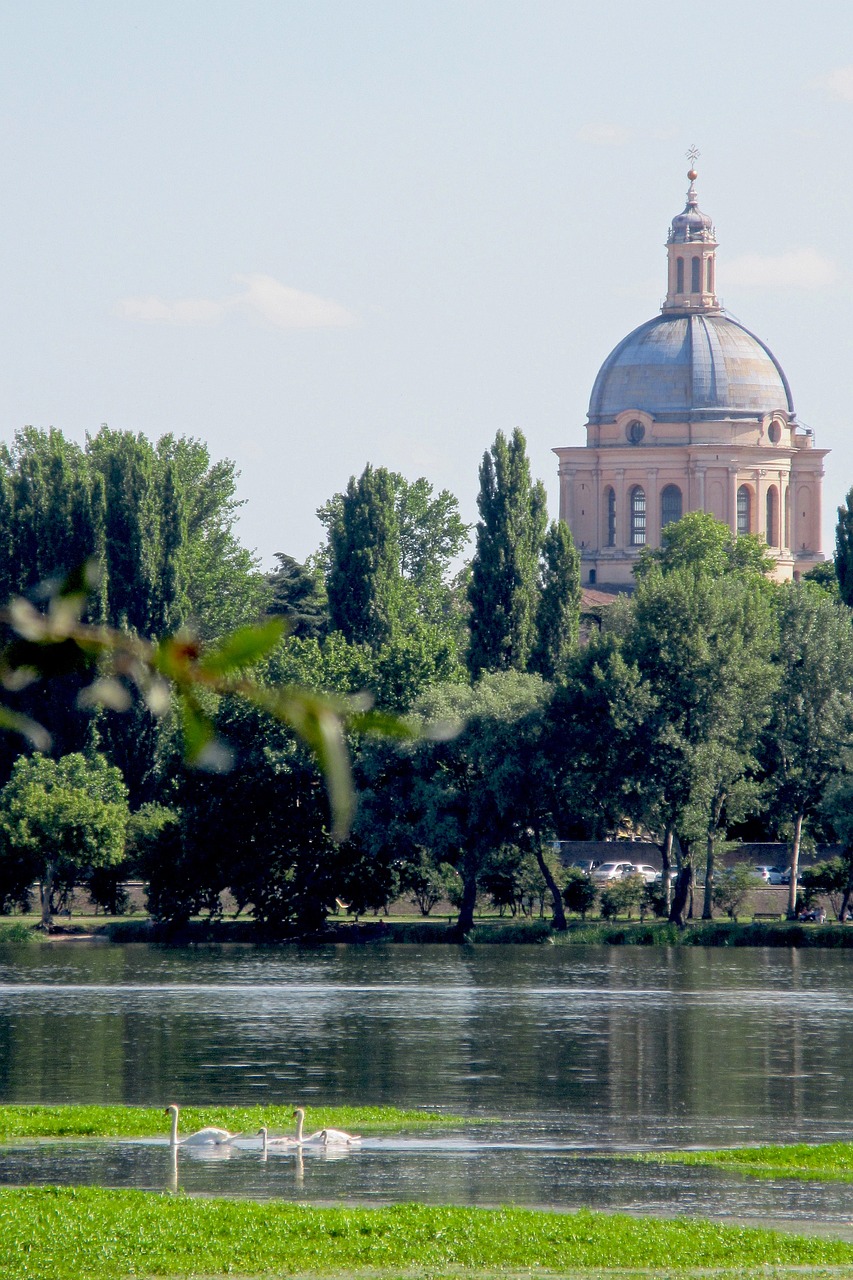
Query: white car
(613, 871)
(647, 871)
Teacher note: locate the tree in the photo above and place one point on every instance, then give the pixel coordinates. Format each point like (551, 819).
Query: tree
(811, 721)
(364, 581)
(558, 612)
(297, 593)
(580, 892)
(64, 817)
(596, 751)
(732, 886)
(446, 794)
(826, 578)
(504, 589)
(703, 646)
(700, 542)
(622, 895)
(429, 535)
(844, 550)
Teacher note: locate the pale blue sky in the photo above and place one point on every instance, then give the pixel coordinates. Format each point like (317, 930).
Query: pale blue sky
(323, 233)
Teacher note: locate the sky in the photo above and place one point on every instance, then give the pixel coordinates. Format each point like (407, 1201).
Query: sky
(321, 233)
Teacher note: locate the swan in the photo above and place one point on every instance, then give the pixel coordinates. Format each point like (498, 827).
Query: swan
(300, 1140)
(263, 1133)
(209, 1137)
(337, 1138)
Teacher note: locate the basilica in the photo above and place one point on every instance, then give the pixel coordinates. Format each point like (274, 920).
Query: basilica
(691, 412)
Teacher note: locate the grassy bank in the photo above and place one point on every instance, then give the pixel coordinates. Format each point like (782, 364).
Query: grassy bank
(486, 931)
(150, 1122)
(62, 1234)
(822, 1162)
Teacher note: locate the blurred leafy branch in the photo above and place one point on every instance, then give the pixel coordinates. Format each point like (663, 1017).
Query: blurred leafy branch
(50, 637)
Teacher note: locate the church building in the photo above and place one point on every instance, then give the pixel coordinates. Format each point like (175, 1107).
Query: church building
(691, 412)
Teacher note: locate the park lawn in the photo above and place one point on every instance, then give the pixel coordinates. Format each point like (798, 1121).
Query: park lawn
(151, 1122)
(51, 1233)
(819, 1162)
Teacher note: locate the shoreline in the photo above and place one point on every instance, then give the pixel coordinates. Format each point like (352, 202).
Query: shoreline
(487, 932)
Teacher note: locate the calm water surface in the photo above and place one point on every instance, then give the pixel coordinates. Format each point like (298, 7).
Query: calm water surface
(573, 1053)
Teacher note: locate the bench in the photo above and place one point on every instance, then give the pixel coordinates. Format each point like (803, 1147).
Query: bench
(768, 915)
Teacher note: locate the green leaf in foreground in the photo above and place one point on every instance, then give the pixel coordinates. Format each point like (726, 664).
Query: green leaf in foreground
(150, 1122)
(819, 1162)
(63, 1233)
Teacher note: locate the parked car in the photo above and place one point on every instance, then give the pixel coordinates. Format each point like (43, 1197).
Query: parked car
(647, 871)
(587, 865)
(764, 873)
(778, 875)
(612, 871)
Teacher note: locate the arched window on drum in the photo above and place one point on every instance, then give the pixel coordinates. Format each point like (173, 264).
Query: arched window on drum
(670, 505)
(610, 517)
(771, 523)
(744, 512)
(638, 516)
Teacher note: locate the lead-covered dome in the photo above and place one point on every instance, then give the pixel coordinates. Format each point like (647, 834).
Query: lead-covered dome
(683, 367)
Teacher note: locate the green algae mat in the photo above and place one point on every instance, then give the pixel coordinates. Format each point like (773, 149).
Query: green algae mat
(50, 1233)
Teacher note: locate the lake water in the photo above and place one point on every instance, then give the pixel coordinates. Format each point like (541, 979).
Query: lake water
(574, 1055)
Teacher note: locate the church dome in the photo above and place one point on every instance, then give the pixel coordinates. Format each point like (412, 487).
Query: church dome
(688, 367)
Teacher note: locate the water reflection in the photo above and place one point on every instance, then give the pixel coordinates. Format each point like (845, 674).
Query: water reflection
(607, 1045)
(482, 1171)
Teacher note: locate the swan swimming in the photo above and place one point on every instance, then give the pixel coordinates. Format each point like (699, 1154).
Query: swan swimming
(301, 1140)
(263, 1133)
(209, 1137)
(328, 1137)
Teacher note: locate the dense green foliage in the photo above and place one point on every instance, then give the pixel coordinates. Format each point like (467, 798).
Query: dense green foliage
(61, 820)
(60, 1234)
(844, 550)
(712, 702)
(504, 588)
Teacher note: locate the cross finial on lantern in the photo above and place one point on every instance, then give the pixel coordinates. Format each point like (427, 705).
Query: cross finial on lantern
(692, 156)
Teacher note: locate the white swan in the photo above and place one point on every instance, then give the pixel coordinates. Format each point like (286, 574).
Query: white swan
(300, 1139)
(337, 1138)
(263, 1133)
(209, 1137)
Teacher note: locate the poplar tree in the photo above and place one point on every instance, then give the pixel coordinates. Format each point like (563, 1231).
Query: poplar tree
(364, 583)
(504, 588)
(558, 614)
(844, 549)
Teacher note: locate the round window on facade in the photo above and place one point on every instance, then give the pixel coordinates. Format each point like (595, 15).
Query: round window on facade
(636, 431)
(775, 432)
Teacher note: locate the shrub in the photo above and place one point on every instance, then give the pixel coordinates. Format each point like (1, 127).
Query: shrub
(731, 885)
(580, 892)
(829, 877)
(622, 896)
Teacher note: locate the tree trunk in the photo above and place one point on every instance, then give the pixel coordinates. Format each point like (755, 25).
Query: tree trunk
(556, 896)
(465, 923)
(683, 894)
(666, 863)
(795, 864)
(708, 903)
(46, 892)
(845, 901)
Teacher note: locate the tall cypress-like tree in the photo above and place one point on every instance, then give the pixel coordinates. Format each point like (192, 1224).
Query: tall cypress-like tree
(504, 587)
(558, 614)
(365, 584)
(844, 549)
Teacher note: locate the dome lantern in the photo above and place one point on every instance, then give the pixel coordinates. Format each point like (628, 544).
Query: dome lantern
(691, 249)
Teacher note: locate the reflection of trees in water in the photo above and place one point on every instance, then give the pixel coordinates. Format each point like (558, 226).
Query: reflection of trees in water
(621, 1037)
